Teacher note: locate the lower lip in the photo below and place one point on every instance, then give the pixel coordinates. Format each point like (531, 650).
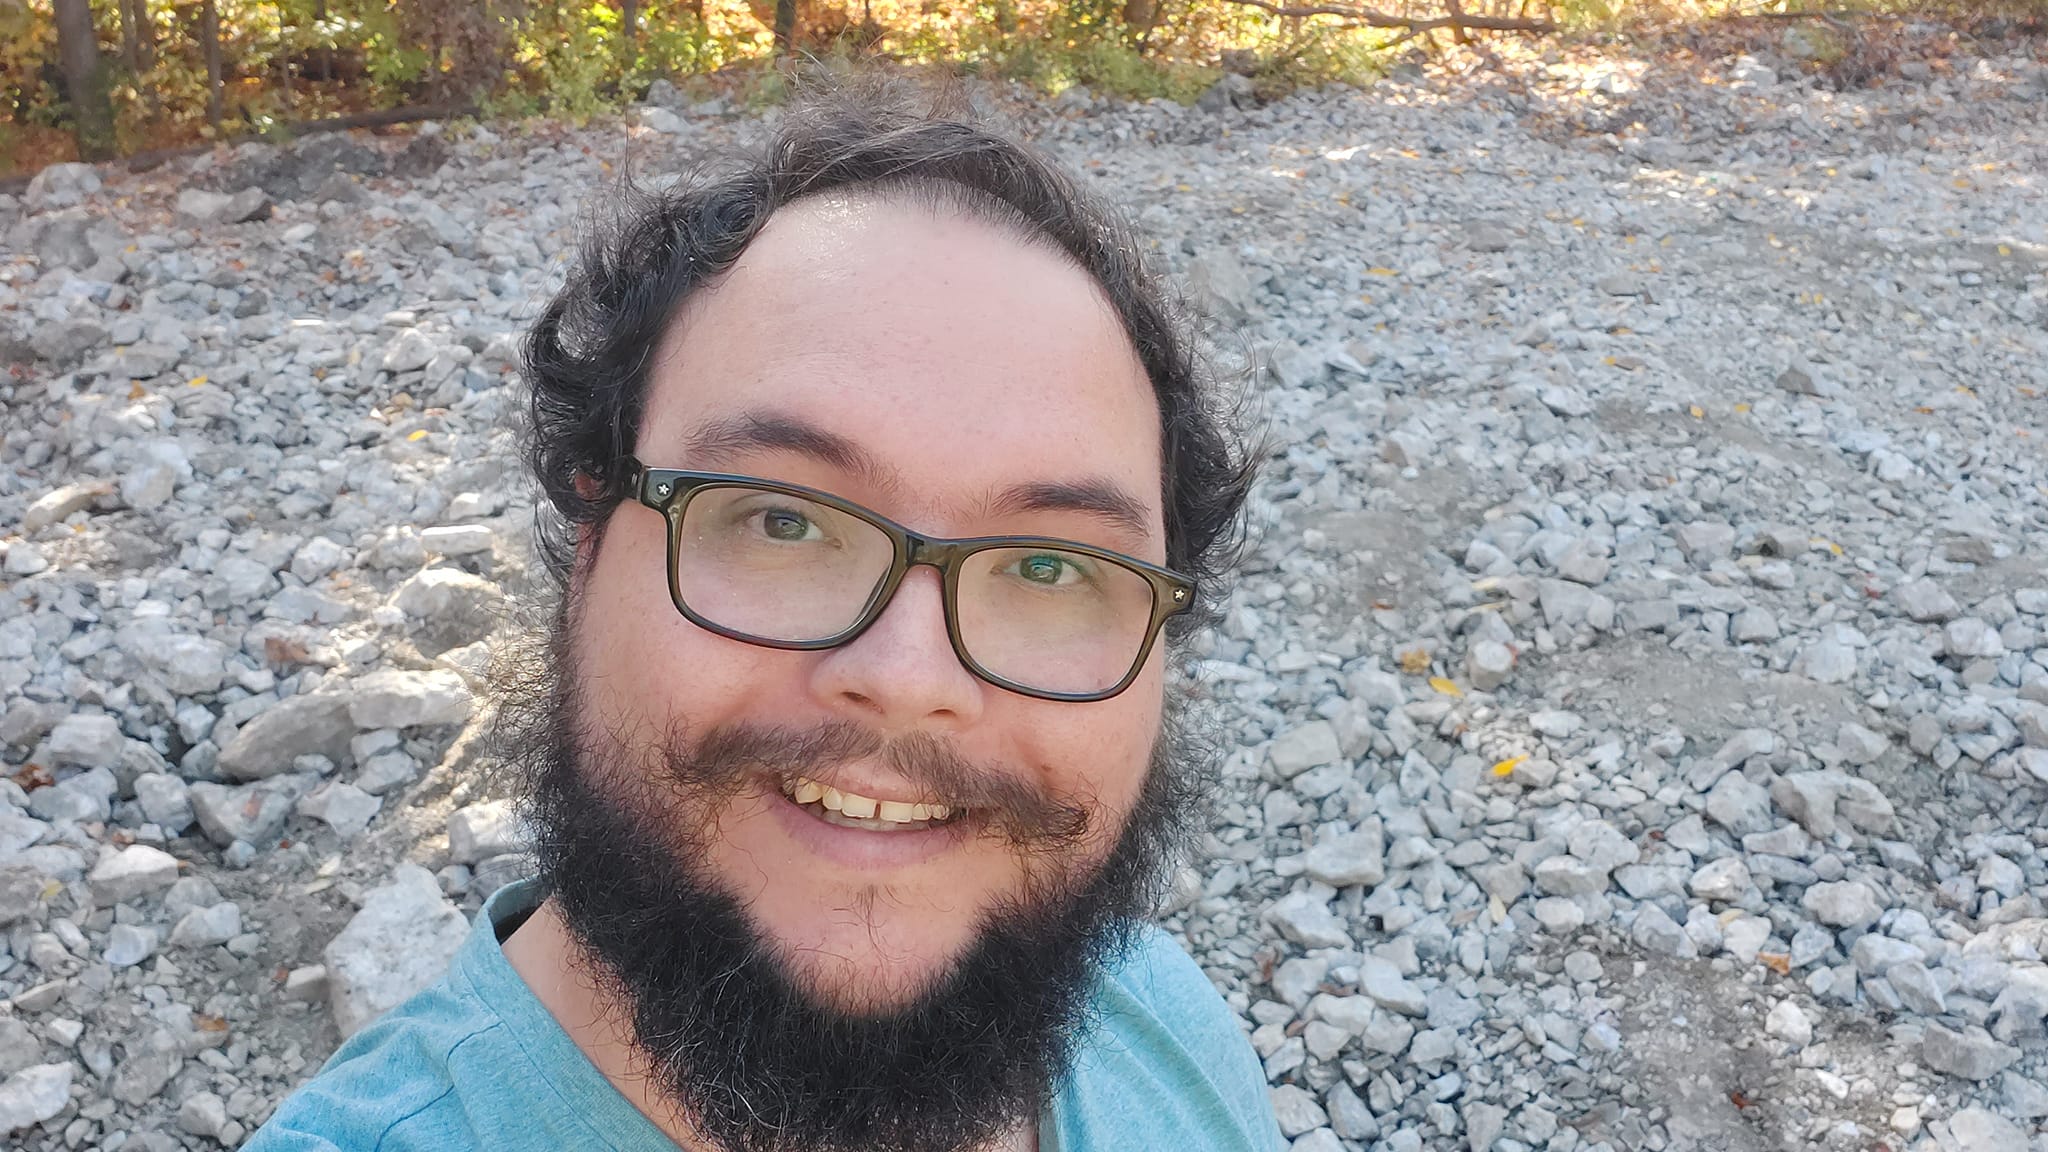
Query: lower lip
(861, 848)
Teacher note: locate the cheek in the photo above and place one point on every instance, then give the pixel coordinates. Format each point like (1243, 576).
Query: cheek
(1100, 751)
(644, 666)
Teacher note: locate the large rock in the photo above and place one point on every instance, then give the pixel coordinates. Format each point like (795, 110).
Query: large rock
(1971, 1054)
(1845, 904)
(399, 943)
(315, 724)
(1817, 799)
(1739, 806)
(188, 665)
(481, 831)
(198, 208)
(1352, 858)
(253, 813)
(88, 740)
(136, 870)
(33, 1095)
(448, 608)
(399, 699)
(1978, 1130)
(61, 186)
(1308, 921)
(1303, 747)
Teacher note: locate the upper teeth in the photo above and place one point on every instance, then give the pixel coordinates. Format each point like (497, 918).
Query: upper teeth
(860, 807)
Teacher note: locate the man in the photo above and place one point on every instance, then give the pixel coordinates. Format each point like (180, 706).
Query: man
(883, 481)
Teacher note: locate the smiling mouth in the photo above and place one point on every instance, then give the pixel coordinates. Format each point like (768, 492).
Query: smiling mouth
(852, 810)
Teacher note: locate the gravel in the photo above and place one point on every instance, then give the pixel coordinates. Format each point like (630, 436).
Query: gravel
(1635, 705)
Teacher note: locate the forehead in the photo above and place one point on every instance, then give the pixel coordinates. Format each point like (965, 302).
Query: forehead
(957, 355)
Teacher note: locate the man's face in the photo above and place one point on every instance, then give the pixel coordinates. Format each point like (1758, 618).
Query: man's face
(934, 367)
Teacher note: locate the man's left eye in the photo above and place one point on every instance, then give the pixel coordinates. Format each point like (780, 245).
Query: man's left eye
(1049, 570)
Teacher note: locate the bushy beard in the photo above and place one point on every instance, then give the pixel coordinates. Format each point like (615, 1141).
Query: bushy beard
(752, 1061)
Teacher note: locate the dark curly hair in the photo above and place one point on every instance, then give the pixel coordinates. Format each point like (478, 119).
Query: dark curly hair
(587, 355)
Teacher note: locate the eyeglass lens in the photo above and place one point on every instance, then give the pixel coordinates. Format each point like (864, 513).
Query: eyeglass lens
(782, 568)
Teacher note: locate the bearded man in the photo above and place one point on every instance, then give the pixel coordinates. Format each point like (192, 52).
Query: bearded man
(882, 484)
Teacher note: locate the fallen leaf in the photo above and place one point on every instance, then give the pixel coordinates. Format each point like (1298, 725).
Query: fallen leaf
(1415, 661)
(1698, 413)
(1382, 272)
(417, 435)
(1777, 962)
(1832, 547)
(136, 391)
(205, 1023)
(32, 776)
(1742, 407)
(1507, 767)
(196, 382)
(1446, 687)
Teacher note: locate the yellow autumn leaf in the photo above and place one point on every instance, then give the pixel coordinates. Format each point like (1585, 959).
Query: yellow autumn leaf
(1507, 767)
(196, 382)
(1832, 547)
(1382, 272)
(420, 434)
(1415, 661)
(1447, 687)
(2005, 249)
(136, 391)
(1742, 407)
(1698, 413)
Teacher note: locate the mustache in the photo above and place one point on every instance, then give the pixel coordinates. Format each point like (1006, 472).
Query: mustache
(731, 756)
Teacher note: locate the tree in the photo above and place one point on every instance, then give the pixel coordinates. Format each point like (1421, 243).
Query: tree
(209, 31)
(785, 26)
(86, 80)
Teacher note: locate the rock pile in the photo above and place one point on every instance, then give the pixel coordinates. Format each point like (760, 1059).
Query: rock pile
(1639, 685)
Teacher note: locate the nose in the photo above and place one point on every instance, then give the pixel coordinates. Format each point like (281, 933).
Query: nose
(902, 674)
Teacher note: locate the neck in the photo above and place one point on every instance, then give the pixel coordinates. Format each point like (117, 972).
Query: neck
(548, 958)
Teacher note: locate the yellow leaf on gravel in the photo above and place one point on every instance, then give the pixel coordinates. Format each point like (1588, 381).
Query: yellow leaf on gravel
(1832, 547)
(1447, 687)
(420, 434)
(1742, 407)
(136, 391)
(1415, 661)
(1698, 413)
(1382, 272)
(1507, 767)
(196, 382)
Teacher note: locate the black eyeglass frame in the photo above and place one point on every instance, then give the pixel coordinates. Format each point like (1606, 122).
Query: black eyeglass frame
(669, 491)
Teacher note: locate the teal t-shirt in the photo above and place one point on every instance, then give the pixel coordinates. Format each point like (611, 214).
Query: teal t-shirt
(475, 1062)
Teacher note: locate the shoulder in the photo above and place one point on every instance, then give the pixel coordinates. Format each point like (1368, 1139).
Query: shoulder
(384, 1089)
(1157, 974)
(1164, 1052)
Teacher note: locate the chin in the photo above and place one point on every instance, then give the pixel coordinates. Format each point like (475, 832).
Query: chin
(857, 969)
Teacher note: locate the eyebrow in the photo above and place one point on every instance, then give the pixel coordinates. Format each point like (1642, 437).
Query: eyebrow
(757, 430)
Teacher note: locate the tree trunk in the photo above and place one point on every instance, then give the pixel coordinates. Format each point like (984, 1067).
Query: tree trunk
(209, 31)
(1138, 16)
(145, 34)
(785, 26)
(697, 11)
(629, 25)
(131, 40)
(85, 79)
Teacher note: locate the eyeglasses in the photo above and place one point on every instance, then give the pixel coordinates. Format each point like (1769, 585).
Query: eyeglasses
(785, 566)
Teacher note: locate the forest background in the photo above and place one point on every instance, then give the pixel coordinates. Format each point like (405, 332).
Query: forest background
(100, 79)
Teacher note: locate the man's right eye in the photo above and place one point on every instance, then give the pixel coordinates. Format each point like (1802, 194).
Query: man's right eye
(787, 526)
